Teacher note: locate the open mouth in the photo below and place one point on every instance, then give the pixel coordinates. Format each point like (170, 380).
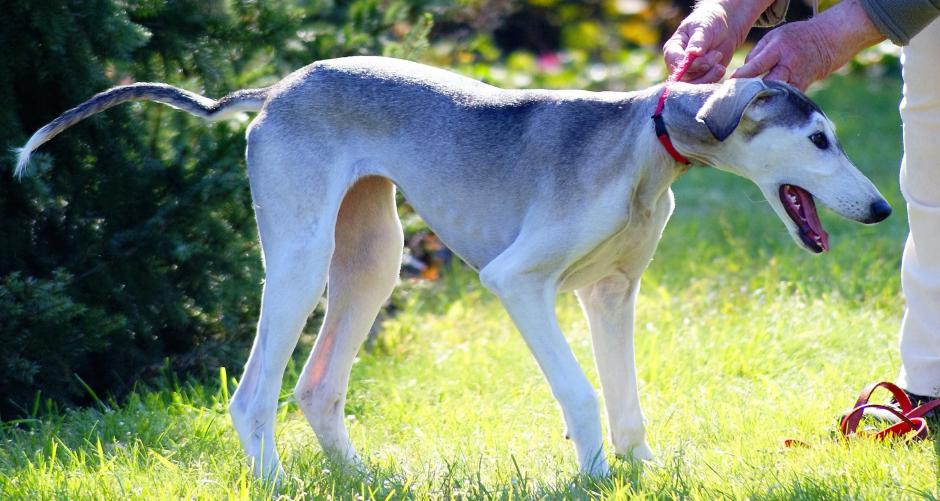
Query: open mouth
(801, 208)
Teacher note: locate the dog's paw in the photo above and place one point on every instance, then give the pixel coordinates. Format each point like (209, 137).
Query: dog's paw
(275, 476)
(357, 465)
(641, 452)
(598, 468)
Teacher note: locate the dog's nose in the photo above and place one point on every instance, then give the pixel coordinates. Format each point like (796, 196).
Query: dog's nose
(880, 211)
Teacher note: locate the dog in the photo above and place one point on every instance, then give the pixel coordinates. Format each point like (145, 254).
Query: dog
(541, 191)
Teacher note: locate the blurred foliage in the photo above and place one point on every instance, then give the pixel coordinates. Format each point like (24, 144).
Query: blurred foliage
(596, 44)
(133, 242)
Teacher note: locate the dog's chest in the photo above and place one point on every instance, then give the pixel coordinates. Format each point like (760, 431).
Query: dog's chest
(629, 249)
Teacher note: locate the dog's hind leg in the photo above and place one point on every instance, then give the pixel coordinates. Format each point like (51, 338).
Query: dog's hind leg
(296, 218)
(609, 307)
(362, 274)
(294, 279)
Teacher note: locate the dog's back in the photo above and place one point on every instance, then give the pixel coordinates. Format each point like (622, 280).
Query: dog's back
(497, 150)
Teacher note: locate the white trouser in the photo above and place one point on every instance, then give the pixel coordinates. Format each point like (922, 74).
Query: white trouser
(920, 184)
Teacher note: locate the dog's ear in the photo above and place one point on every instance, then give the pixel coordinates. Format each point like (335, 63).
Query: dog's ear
(723, 110)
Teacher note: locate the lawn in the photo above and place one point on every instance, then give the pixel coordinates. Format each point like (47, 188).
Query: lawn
(743, 340)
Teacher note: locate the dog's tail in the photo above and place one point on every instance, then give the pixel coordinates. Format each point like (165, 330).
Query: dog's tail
(201, 106)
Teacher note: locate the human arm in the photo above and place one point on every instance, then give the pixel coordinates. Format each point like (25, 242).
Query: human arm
(900, 20)
(805, 51)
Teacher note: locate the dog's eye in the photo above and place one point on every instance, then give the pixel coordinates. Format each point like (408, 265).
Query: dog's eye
(820, 140)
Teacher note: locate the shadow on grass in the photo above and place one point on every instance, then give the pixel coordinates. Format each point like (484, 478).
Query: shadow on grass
(463, 479)
(808, 488)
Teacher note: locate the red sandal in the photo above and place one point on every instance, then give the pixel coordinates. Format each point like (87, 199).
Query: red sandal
(910, 423)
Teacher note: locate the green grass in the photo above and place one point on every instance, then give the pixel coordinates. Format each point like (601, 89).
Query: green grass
(743, 340)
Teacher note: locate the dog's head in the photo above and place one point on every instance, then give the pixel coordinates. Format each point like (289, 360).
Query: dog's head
(772, 134)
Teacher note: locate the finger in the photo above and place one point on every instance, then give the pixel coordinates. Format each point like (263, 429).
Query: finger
(725, 58)
(701, 66)
(784, 74)
(705, 63)
(698, 42)
(758, 48)
(714, 74)
(758, 63)
(781, 73)
(674, 49)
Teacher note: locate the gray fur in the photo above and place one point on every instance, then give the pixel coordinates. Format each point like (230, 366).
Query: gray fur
(242, 100)
(723, 110)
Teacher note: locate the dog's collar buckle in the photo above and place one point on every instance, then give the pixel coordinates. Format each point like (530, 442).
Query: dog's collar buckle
(663, 135)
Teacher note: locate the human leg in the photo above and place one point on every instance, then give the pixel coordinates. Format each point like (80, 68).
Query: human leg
(920, 184)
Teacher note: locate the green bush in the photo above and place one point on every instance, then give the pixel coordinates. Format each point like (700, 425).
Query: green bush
(133, 240)
(132, 246)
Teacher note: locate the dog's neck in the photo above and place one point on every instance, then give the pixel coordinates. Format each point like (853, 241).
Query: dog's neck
(689, 136)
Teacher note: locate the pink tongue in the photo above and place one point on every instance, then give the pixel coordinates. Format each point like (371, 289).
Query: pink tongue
(812, 218)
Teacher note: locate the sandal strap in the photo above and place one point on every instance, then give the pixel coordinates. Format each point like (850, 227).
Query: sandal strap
(922, 410)
(851, 420)
(905, 425)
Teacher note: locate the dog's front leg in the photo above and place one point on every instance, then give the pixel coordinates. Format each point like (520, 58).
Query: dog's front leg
(530, 302)
(609, 306)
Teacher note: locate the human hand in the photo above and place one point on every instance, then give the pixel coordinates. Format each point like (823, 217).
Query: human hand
(711, 33)
(802, 52)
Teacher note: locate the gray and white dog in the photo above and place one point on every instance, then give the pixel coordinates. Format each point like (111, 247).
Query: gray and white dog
(542, 191)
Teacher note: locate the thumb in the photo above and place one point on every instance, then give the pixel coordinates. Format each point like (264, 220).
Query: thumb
(698, 42)
(674, 50)
(758, 63)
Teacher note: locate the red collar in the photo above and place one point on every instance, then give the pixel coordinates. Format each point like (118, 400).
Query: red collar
(661, 133)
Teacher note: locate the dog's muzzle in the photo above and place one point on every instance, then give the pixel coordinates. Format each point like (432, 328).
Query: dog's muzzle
(880, 211)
